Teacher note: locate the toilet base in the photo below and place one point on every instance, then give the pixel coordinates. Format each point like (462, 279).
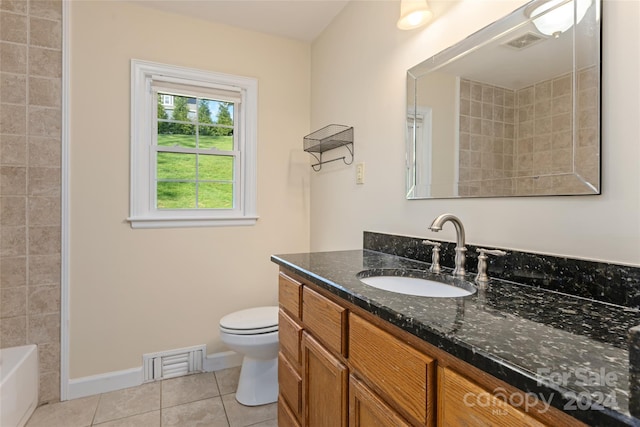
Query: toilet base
(258, 383)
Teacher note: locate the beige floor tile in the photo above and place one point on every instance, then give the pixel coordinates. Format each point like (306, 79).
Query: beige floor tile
(203, 413)
(72, 413)
(130, 401)
(190, 388)
(241, 416)
(228, 379)
(268, 423)
(149, 419)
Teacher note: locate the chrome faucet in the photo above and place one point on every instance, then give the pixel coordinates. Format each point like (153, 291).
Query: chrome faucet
(460, 248)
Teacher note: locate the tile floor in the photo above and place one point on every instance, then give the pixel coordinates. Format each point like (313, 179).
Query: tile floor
(202, 400)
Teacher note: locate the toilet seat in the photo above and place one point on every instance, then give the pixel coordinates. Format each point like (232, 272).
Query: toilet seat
(252, 321)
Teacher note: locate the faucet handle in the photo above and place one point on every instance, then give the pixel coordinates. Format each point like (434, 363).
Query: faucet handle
(482, 279)
(435, 255)
(496, 252)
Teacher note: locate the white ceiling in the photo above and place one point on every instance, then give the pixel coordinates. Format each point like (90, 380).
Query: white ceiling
(301, 20)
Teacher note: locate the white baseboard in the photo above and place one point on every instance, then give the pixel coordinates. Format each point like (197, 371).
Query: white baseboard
(103, 383)
(219, 361)
(117, 380)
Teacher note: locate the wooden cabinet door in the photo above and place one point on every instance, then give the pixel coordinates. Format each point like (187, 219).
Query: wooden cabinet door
(324, 386)
(368, 410)
(285, 416)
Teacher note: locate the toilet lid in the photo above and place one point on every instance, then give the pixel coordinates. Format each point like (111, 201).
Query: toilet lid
(258, 320)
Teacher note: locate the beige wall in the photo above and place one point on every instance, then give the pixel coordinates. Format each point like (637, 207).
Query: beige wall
(367, 91)
(30, 142)
(139, 291)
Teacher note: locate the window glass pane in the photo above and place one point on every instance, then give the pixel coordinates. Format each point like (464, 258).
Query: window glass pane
(176, 195)
(212, 195)
(177, 140)
(175, 117)
(215, 168)
(210, 138)
(176, 166)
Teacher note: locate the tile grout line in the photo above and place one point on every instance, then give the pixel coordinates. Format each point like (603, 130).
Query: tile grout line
(95, 411)
(224, 408)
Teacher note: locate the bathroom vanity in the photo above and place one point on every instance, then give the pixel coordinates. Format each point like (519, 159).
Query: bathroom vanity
(512, 354)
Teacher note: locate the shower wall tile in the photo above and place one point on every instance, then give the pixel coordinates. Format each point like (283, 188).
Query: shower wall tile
(13, 272)
(49, 356)
(45, 62)
(45, 33)
(44, 151)
(30, 162)
(44, 270)
(46, 9)
(13, 302)
(44, 211)
(44, 181)
(44, 328)
(13, 331)
(13, 210)
(13, 241)
(13, 120)
(13, 88)
(17, 6)
(553, 151)
(13, 150)
(13, 27)
(13, 180)
(49, 386)
(43, 299)
(13, 58)
(44, 240)
(44, 92)
(45, 121)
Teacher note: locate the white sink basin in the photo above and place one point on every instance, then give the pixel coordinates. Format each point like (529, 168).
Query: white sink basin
(417, 286)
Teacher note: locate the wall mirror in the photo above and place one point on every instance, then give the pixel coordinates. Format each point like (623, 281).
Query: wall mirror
(512, 110)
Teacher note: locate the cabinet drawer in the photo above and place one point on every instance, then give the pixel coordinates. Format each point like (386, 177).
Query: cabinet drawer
(290, 335)
(289, 295)
(463, 402)
(290, 384)
(402, 375)
(326, 320)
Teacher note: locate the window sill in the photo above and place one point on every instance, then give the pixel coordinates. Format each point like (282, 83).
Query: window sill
(181, 222)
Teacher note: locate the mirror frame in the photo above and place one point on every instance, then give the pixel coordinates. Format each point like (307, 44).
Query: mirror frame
(573, 182)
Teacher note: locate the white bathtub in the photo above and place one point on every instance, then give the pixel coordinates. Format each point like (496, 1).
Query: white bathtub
(18, 384)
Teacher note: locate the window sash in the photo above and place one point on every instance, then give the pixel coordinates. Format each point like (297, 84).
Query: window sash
(219, 93)
(209, 93)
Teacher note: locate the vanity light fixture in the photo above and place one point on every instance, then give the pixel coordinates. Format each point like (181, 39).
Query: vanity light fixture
(554, 17)
(413, 14)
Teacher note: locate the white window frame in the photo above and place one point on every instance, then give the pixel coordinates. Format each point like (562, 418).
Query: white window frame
(143, 212)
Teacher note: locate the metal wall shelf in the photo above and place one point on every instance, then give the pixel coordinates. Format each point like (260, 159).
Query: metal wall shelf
(328, 138)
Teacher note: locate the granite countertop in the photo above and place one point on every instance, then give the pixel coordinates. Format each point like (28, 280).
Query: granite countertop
(569, 351)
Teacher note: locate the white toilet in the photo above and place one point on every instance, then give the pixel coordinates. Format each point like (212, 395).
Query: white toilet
(254, 334)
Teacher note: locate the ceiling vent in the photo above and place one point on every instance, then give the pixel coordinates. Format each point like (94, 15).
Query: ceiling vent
(524, 41)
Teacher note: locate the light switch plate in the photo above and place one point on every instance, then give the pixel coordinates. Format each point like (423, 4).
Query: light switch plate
(360, 173)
